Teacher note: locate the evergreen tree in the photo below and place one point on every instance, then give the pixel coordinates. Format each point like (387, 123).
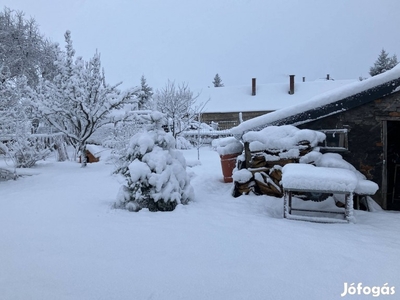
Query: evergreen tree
(217, 81)
(145, 94)
(393, 61)
(154, 170)
(383, 63)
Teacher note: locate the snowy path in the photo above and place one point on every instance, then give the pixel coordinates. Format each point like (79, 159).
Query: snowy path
(60, 239)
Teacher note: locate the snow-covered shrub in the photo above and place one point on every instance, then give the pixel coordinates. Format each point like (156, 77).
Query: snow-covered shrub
(26, 152)
(182, 143)
(7, 175)
(154, 170)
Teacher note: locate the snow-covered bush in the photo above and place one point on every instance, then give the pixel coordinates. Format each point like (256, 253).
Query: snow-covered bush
(182, 143)
(154, 170)
(26, 152)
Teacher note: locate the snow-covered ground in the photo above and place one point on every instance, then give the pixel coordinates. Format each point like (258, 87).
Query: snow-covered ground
(60, 239)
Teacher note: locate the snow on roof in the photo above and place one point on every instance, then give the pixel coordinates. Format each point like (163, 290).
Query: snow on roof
(318, 100)
(309, 177)
(95, 150)
(269, 97)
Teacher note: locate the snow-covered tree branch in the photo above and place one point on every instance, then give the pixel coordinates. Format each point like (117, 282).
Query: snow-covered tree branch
(78, 101)
(178, 103)
(24, 51)
(155, 173)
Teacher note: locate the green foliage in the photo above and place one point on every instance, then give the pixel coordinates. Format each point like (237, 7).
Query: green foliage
(383, 63)
(155, 173)
(217, 81)
(145, 94)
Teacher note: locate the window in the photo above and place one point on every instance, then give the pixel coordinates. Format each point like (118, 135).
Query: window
(336, 140)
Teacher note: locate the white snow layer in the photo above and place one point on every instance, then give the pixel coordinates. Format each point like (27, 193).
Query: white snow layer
(61, 239)
(242, 175)
(139, 170)
(333, 178)
(95, 150)
(318, 101)
(269, 96)
(227, 145)
(284, 137)
(309, 177)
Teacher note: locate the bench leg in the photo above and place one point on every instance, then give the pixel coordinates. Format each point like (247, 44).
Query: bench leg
(349, 208)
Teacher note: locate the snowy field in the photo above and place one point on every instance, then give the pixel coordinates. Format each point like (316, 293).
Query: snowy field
(61, 239)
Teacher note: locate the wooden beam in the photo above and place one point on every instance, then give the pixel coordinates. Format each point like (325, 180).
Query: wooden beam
(247, 154)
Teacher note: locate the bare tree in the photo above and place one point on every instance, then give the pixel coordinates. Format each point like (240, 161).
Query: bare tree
(179, 104)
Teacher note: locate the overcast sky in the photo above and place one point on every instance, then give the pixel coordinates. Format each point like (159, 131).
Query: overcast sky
(190, 41)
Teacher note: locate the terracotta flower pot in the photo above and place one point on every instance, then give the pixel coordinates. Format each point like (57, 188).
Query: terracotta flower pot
(228, 163)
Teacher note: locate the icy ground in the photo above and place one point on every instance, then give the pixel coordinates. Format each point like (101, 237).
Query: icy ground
(61, 239)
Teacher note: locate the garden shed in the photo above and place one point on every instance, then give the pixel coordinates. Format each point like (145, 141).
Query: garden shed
(361, 121)
(93, 153)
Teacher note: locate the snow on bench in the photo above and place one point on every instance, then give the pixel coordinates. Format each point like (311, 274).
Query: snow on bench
(308, 178)
(305, 177)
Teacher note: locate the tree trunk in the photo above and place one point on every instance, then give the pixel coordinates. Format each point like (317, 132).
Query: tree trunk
(61, 150)
(83, 155)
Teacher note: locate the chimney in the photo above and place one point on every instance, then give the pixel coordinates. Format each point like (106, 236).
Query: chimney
(304, 79)
(327, 77)
(253, 86)
(291, 84)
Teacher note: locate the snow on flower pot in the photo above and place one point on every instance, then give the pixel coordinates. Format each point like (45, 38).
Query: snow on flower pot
(228, 149)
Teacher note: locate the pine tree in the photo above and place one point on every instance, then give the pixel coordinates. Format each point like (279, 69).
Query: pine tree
(383, 63)
(393, 61)
(154, 170)
(217, 81)
(145, 94)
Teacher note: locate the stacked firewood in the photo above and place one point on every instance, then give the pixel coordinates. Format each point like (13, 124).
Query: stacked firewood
(264, 170)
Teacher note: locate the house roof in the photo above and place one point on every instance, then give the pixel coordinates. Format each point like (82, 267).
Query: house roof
(95, 150)
(328, 103)
(269, 97)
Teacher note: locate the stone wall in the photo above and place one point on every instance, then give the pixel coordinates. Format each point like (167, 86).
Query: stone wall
(365, 136)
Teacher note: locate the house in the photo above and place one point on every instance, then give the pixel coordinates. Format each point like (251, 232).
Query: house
(361, 121)
(228, 106)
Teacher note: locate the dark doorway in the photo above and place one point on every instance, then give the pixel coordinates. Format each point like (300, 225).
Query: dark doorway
(393, 165)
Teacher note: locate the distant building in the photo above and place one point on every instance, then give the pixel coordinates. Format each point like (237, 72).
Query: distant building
(228, 106)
